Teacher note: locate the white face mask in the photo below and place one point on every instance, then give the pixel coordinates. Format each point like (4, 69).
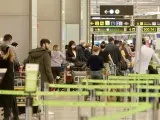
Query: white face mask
(73, 46)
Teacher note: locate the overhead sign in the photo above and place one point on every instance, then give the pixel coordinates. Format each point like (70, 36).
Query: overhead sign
(105, 29)
(145, 29)
(111, 22)
(147, 22)
(116, 10)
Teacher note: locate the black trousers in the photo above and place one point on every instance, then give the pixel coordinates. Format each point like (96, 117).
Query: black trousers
(7, 112)
(15, 110)
(56, 72)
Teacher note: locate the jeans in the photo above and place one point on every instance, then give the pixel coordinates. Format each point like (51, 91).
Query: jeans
(96, 75)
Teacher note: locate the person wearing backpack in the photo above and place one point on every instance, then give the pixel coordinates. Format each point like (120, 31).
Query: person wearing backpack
(42, 56)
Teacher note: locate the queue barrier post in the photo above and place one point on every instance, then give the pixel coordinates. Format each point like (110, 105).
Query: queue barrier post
(29, 111)
(79, 109)
(155, 110)
(92, 95)
(105, 99)
(133, 87)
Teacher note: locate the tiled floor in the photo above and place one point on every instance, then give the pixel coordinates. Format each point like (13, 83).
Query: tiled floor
(71, 113)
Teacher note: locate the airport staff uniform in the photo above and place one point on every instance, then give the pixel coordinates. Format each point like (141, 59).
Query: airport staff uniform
(146, 55)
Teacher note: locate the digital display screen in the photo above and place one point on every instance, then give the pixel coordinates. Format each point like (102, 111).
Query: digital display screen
(147, 22)
(111, 22)
(109, 29)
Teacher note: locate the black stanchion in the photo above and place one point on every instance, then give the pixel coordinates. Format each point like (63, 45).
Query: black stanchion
(92, 41)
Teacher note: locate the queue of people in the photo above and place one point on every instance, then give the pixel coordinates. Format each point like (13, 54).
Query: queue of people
(115, 53)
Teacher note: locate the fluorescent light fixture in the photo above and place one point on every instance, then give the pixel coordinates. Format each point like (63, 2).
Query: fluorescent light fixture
(153, 12)
(97, 18)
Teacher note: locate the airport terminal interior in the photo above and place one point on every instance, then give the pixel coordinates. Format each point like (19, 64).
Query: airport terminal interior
(79, 59)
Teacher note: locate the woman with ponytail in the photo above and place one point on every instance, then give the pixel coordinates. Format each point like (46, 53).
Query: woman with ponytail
(7, 61)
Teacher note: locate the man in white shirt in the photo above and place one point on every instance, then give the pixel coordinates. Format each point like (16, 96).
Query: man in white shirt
(145, 58)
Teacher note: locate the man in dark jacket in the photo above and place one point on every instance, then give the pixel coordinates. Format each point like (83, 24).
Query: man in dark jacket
(81, 52)
(114, 52)
(42, 57)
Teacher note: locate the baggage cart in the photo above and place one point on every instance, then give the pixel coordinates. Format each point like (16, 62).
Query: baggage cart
(19, 85)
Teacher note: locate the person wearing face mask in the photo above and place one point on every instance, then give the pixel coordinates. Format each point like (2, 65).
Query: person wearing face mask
(88, 50)
(81, 52)
(71, 52)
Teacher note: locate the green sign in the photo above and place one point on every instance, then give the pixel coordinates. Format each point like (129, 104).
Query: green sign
(145, 29)
(31, 77)
(110, 22)
(147, 22)
(106, 29)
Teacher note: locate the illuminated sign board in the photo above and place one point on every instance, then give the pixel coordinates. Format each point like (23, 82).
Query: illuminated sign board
(111, 22)
(116, 10)
(145, 29)
(105, 29)
(147, 22)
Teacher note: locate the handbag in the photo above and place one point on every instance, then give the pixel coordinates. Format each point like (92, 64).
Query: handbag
(123, 65)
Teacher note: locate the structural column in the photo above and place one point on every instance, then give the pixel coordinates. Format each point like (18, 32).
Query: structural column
(85, 20)
(73, 20)
(49, 20)
(158, 39)
(33, 24)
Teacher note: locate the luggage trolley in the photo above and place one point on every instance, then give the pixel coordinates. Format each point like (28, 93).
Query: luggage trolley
(19, 85)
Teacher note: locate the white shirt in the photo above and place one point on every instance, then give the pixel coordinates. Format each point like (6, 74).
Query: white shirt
(146, 55)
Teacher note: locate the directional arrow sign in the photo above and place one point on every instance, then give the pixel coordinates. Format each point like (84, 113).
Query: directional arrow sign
(91, 23)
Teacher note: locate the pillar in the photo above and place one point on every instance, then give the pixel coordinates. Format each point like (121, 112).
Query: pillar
(157, 38)
(73, 20)
(85, 20)
(33, 24)
(14, 20)
(49, 20)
